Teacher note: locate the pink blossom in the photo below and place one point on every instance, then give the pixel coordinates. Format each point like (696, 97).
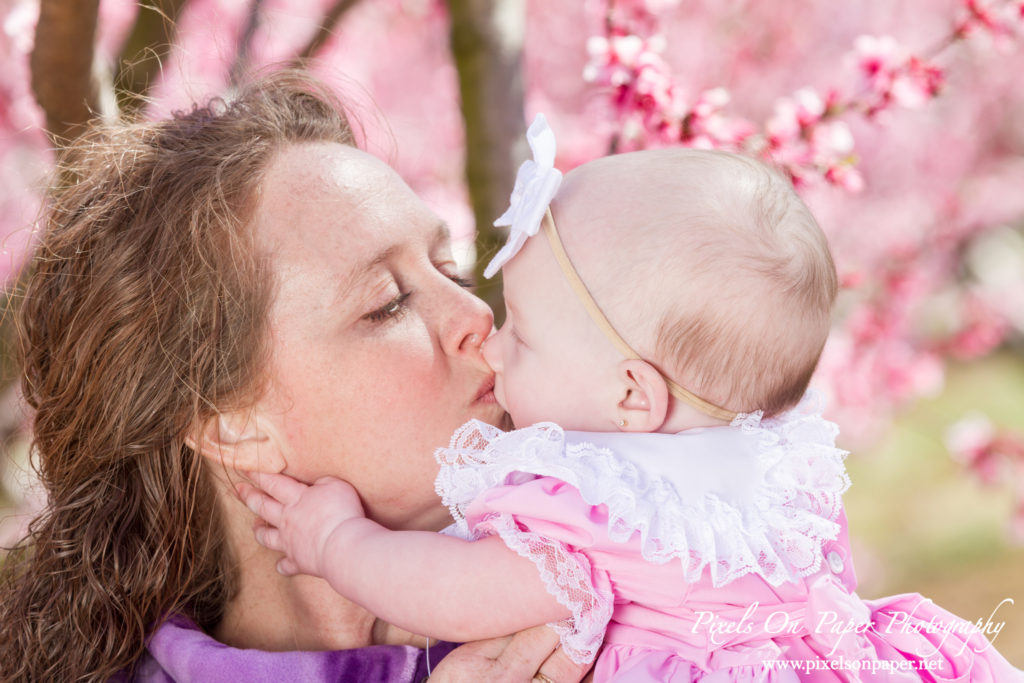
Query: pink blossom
(847, 177)
(983, 330)
(967, 438)
(627, 49)
(711, 102)
(916, 83)
(19, 25)
(832, 140)
(878, 58)
(892, 75)
(599, 58)
(995, 455)
(810, 106)
(640, 79)
(706, 125)
(784, 124)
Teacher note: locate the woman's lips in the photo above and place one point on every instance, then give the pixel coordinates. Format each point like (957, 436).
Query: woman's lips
(491, 411)
(486, 393)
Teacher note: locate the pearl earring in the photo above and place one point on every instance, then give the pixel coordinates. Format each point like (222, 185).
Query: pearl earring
(623, 423)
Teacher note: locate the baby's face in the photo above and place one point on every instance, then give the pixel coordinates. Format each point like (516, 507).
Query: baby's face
(550, 361)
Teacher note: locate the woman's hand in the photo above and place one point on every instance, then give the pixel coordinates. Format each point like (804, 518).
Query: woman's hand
(530, 655)
(297, 519)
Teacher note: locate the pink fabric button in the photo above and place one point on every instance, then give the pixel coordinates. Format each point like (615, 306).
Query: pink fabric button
(835, 562)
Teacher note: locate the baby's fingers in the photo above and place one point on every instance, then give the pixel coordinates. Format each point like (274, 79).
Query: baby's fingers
(287, 567)
(261, 504)
(269, 537)
(280, 486)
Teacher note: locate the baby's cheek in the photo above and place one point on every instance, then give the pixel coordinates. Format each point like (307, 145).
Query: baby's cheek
(519, 407)
(499, 393)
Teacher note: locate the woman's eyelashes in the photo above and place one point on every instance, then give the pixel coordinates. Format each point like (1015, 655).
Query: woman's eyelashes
(448, 270)
(461, 281)
(391, 310)
(445, 265)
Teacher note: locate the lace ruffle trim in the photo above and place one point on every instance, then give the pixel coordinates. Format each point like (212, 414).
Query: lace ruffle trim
(778, 534)
(567, 576)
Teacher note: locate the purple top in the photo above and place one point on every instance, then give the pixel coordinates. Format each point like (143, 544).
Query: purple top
(180, 651)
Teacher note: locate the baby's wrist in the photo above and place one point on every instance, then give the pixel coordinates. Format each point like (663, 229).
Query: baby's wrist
(344, 540)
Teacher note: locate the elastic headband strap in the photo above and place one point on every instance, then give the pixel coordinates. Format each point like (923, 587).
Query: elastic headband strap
(598, 316)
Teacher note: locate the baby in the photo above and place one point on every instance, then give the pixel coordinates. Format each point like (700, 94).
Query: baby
(670, 492)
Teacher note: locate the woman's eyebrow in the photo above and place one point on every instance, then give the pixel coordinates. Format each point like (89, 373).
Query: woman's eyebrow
(359, 278)
(380, 258)
(442, 234)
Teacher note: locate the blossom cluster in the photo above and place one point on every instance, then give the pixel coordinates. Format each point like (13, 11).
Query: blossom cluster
(805, 134)
(892, 75)
(995, 455)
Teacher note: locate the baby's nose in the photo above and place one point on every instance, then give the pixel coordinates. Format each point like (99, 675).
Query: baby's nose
(492, 351)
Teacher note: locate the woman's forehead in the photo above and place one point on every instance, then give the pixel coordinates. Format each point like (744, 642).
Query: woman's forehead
(327, 171)
(329, 196)
(333, 218)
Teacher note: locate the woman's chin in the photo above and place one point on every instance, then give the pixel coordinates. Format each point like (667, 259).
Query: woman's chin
(491, 412)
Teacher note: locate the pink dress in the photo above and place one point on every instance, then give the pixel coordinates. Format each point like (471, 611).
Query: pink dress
(710, 555)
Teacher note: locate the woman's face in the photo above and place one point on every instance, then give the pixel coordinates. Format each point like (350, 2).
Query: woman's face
(376, 345)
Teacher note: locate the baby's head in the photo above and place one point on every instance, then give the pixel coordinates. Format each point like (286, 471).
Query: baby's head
(706, 263)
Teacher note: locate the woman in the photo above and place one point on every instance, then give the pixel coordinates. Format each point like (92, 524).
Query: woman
(238, 288)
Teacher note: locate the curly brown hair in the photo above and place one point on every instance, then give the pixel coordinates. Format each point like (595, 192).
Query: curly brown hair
(143, 314)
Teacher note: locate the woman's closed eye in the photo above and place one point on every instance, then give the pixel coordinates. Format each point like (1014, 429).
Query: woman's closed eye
(461, 281)
(448, 270)
(399, 305)
(391, 310)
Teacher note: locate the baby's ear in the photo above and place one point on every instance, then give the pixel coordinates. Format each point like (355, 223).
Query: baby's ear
(240, 440)
(644, 397)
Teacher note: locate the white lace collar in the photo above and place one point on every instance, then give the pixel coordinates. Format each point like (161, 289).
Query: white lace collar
(759, 496)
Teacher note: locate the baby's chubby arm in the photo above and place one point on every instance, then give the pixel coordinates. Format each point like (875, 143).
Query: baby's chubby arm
(421, 581)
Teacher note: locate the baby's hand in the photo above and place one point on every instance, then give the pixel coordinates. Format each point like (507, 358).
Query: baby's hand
(297, 519)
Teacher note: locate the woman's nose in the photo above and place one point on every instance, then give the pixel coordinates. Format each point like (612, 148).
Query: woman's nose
(469, 322)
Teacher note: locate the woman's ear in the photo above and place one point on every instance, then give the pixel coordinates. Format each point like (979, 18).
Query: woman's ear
(240, 440)
(644, 403)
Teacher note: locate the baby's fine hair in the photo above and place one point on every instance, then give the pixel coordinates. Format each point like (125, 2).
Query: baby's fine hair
(749, 324)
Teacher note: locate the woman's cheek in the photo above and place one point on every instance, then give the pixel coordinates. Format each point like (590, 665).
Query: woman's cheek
(410, 362)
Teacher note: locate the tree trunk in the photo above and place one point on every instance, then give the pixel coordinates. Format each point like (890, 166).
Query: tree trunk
(61, 65)
(487, 45)
(144, 51)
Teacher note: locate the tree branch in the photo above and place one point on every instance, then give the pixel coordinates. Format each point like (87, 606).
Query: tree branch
(487, 45)
(61, 65)
(325, 30)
